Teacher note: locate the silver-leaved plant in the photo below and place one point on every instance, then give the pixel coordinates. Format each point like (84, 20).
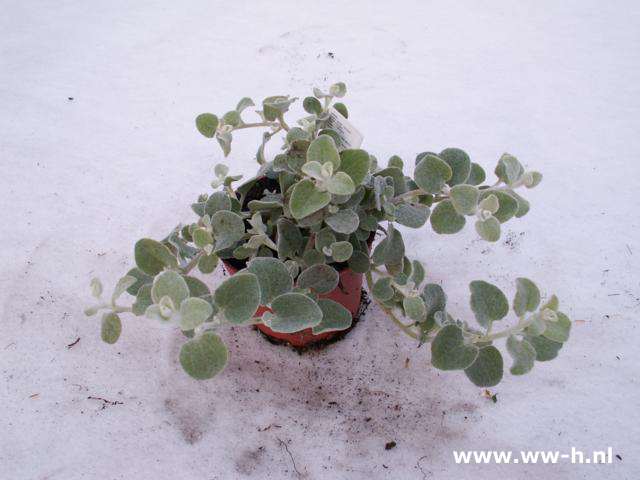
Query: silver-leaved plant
(315, 207)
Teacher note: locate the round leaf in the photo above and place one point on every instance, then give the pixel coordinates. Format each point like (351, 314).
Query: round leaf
(359, 262)
(486, 370)
(217, 201)
(207, 263)
(355, 163)
(152, 257)
(111, 328)
(487, 302)
(207, 123)
(508, 205)
(382, 289)
(193, 312)
(238, 297)
(558, 331)
(322, 150)
(445, 219)
(464, 198)
(228, 228)
(334, 317)
(477, 175)
(545, 349)
(292, 312)
(312, 105)
(344, 221)
(460, 165)
(204, 357)
(273, 277)
(169, 284)
(321, 278)
(448, 351)
(340, 184)
(488, 229)
(432, 173)
(341, 251)
(307, 199)
(412, 216)
(414, 308)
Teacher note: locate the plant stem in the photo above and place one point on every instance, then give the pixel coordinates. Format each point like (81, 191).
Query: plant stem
(257, 124)
(405, 328)
(417, 193)
(519, 327)
(192, 263)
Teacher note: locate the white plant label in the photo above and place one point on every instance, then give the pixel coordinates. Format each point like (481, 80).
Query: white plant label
(349, 136)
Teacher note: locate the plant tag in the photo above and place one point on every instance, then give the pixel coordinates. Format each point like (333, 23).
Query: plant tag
(349, 136)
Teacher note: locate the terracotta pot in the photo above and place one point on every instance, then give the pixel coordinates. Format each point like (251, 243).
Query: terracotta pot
(347, 293)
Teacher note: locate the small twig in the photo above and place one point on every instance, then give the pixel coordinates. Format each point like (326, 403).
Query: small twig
(283, 444)
(105, 402)
(74, 343)
(424, 474)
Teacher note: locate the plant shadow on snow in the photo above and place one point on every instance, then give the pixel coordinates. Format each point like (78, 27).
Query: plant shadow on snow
(359, 393)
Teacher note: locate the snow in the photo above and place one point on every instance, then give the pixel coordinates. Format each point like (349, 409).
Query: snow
(555, 83)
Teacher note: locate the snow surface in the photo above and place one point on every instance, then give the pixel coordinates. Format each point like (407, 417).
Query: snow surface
(555, 83)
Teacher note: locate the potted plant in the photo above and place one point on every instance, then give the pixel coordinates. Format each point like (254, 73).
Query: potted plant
(297, 242)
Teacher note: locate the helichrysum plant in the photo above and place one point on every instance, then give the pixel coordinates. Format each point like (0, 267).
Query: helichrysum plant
(318, 205)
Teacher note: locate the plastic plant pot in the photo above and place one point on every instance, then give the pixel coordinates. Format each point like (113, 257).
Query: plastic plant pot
(348, 293)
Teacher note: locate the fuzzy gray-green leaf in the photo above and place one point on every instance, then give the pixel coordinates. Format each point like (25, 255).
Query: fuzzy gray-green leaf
(527, 296)
(228, 228)
(152, 257)
(273, 277)
(359, 262)
(293, 312)
(558, 331)
(355, 163)
(449, 352)
(432, 173)
(334, 317)
(508, 205)
(382, 289)
(412, 216)
(545, 349)
(523, 355)
(320, 277)
(464, 198)
(390, 250)
(289, 238)
(141, 280)
(207, 123)
(204, 357)
(341, 251)
(476, 175)
(344, 221)
(238, 297)
(217, 201)
(488, 229)
(193, 312)
(169, 284)
(323, 149)
(414, 308)
(486, 370)
(460, 165)
(445, 219)
(111, 328)
(307, 199)
(488, 303)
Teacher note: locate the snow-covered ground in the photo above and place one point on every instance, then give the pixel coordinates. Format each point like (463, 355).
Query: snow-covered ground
(98, 148)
